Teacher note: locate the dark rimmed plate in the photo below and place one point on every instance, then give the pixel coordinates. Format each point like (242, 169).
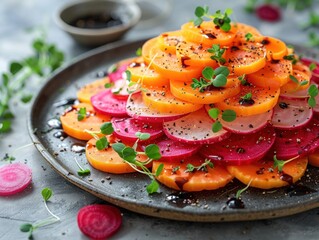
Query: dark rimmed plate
(128, 190)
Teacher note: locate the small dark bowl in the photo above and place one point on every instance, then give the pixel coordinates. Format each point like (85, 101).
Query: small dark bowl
(128, 12)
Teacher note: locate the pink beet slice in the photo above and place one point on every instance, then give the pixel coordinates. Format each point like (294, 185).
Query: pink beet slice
(105, 103)
(99, 221)
(315, 72)
(173, 150)
(241, 149)
(268, 12)
(296, 142)
(119, 73)
(14, 178)
(126, 128)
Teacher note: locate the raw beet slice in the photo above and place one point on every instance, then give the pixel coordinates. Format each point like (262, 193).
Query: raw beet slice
(99, 221)
(241, 149)
(268, 12)
(119, 73)
(291, 113)
(105, 103)
(172, 150)
(315, 72)
(194, 128)
(294, 142)
(125, 128)
(14, 178)
(136, 109)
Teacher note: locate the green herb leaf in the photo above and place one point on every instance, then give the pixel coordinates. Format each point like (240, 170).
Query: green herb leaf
(159, 170)
(108, 85)
(228, 115)
(128, 75)
(46, 193)
(15, 67)
(240, 191)
(153, 151)
(312, 66)
(220, 81)
(152, 187)
(107, 128)
(247, 96)
(102, 143)
(213, 113)
(138, 52)
(312, 102)
(26, 98)
(294, 79)
(190, 167)
(203, 167)
(222, 70)
(84, 172)
(81, 114)
(26, 227)
(175, 169)
(113, 68)
(217, 53)
(278, 163)
(217, 126)
(129, 154)
(118, 147)
(5, 126)
(313, 90)
(249, 37)
(142, 136)
(208, 73)
(199, 12)
(242, 79)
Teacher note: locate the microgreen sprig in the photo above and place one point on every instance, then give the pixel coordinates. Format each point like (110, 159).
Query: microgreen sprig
(312, 92)
(243, 80)
(247, 96)
(249, 37)
(220, 19)
(203, 167)
(228, 115)
(281, 163)
(211, 77)
(30, 228)
(81, 114)
(217, 53)
(82, 172)
(44, 60)
(292, 58)
(240, 191)
(299, 84)
(102, 142)
(130, 154)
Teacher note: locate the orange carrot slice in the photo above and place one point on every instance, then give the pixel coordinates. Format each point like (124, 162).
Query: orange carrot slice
(175, 175)
(108, 160)
(302, 67)
(169, 40)
(207, 34)
(292, 86)
(276, 49)
(146, 49)
(274, 75)
(262, 100)
(89, 90)
(162, 100)
(241, 32)
(184, 91)
(75, 128)
(245, 59)
(146, 75)
(262, 175)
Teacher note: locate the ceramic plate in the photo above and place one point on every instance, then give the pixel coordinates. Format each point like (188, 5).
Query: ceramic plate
(128, 190)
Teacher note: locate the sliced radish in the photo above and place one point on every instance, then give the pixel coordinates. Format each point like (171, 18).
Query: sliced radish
(315, 72)
(119, 73)
(291, 113)
(194, 128)
(316, 108)
(137, 109)
(241, 149)
(172, 150)
(14, 178)
(247, 124)
(99, 221)
(105, 103)
(126, 128)
(119, 89)
(268, 12)
(294, 142)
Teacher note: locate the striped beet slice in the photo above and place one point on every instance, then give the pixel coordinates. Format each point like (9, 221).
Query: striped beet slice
(105, 103)
(126, 128)
(241, 149)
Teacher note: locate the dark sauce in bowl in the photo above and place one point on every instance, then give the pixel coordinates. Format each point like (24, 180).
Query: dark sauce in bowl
(97, 21)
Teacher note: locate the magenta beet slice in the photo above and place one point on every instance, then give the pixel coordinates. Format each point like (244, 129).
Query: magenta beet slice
(268, 12)
(294, 142)
(291, 113)
(241, 149)
(119, 73)
(105, 103)
(14, 178)
(315, 72)
(99, 221)
(173, 150)
(138, 110)
(126, 128)
(194, 128)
